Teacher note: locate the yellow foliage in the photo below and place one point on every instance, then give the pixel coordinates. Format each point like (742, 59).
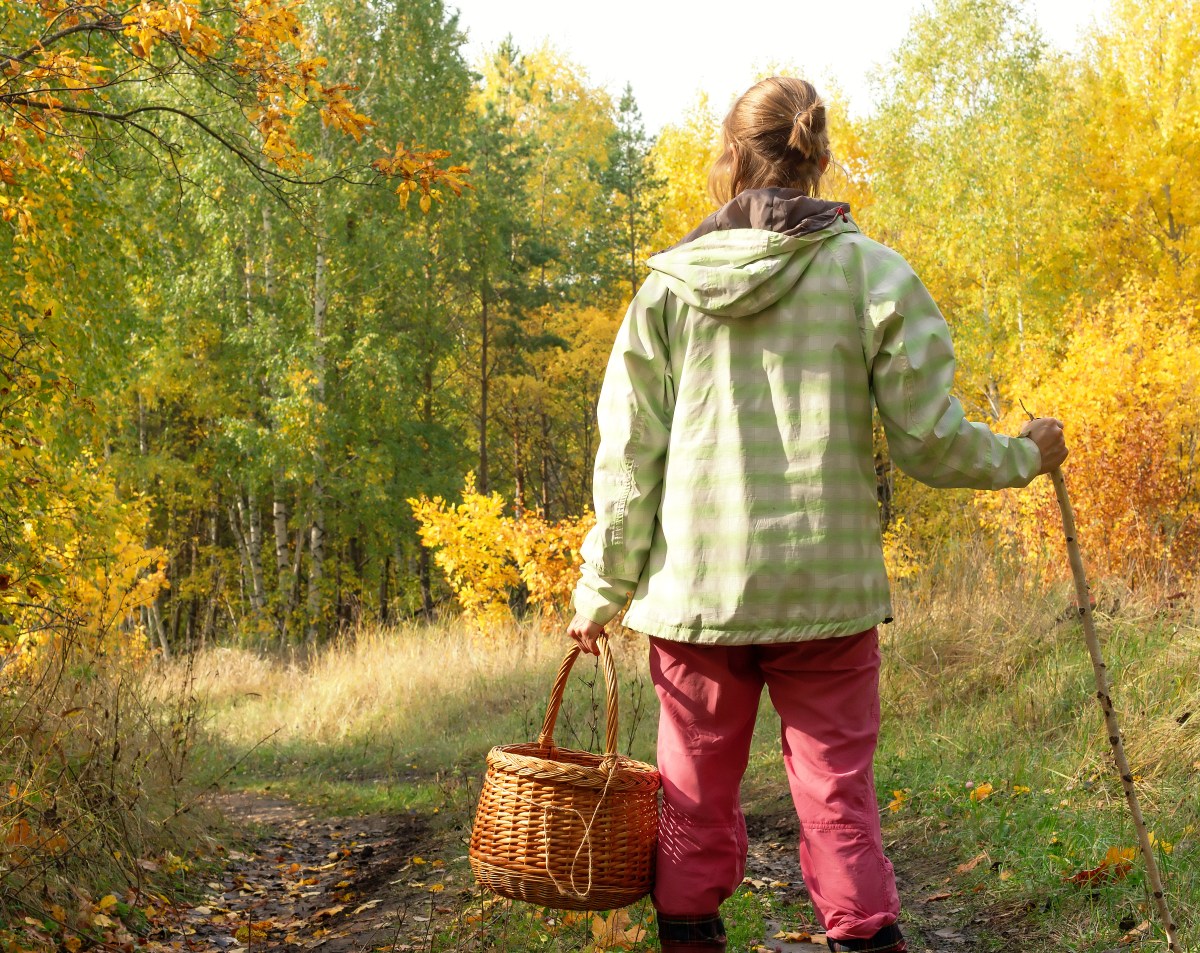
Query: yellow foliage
(1128, 391)
(485, 554)
(898, 553)
(681, 157)
(471, 546)
(87, 578)
(547, 554)
(1139, 94)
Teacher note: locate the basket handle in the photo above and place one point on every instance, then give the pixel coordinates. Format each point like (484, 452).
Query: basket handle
(546, 738)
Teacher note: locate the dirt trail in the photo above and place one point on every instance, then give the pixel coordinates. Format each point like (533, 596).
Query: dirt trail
(390, 883)
(933, 921)
(305, 882)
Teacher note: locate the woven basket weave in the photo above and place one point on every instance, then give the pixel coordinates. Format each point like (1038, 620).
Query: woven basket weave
(567, 829)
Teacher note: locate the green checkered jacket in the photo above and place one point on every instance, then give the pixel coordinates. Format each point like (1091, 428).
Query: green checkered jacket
(735, 485)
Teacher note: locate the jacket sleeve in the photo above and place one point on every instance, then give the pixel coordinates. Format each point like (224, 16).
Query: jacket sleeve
(911, 363)
(634, 416)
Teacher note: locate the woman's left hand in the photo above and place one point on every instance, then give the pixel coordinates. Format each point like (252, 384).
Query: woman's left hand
(585, 632)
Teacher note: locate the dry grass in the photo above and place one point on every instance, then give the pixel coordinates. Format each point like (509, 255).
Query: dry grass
(977, 635)
(968, 633)
(381, 700)
(98, 780)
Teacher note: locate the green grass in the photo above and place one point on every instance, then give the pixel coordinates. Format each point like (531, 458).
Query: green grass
(998, 695)
(1056, 807)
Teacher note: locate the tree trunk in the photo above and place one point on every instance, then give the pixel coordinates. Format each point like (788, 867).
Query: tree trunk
(518, 471)
(316, 542)
(632, 247)
(1020, 307)
(247, 279)
(384, 595)
(239, 540)
(298, 555)
(246, 523)
(426, 582)
(158, 632)
(268, 255)
(279, 514)
(545, 466)
(482, 477)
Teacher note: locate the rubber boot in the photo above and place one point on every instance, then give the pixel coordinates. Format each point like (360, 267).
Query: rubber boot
(887, 940)
(703, 934)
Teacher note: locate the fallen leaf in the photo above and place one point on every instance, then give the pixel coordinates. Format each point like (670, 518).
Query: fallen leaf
(253, 932)
(793, 936)
(617, 931)
(970, 864)
(365, 906)
(1117, 862)
(982, 792)
(943, 895)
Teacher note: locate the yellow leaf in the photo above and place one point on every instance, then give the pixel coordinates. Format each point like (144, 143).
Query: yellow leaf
(982, 792)
(898, 799)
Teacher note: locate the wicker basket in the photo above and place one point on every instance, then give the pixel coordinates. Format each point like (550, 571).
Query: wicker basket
(567, 829)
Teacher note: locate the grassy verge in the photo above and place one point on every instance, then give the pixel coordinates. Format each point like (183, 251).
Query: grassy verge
(994, 754)
(993, 759)
(96, 810)
(401, 720)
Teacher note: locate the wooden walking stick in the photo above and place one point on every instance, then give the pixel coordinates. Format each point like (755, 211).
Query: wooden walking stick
(1110, 716)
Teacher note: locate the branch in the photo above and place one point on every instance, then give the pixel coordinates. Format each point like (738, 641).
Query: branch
(126, 119)
(110, 24)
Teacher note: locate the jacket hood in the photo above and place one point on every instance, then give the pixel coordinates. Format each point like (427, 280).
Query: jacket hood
(750, 253)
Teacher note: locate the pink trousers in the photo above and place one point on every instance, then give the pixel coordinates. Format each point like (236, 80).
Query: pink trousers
(827, 695)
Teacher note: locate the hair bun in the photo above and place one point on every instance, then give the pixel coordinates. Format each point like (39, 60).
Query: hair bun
(774, 136)
(808, 126)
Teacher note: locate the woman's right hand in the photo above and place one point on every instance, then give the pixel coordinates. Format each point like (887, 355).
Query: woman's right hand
(585, 632)
(1047, 433)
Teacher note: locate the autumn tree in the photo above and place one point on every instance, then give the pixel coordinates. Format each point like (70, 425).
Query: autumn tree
(968, 162)
(680, 160)
(1136, 98)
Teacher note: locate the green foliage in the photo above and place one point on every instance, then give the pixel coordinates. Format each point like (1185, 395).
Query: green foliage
(626, 216)
(272, 368)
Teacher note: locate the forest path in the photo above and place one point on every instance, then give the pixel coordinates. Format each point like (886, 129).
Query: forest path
(394, 882)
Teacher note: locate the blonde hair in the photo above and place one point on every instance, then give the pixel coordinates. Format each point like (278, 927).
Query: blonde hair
(774, 135)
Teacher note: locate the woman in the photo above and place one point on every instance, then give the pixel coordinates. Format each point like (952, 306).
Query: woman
(736, 502)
